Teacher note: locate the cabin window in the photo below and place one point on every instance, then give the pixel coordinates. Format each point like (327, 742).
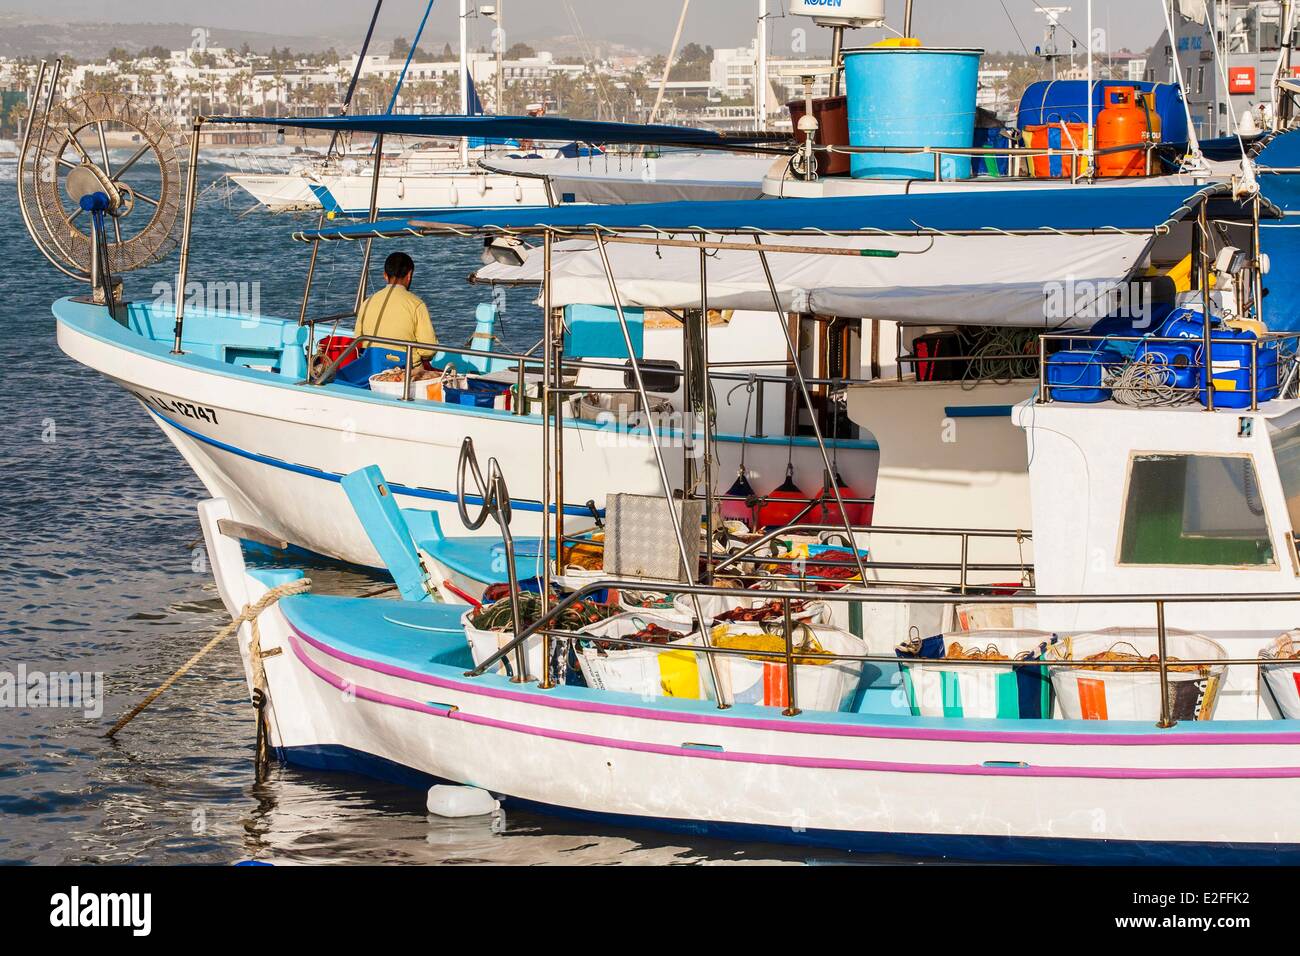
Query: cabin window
(1194, 510)
(1286, 453)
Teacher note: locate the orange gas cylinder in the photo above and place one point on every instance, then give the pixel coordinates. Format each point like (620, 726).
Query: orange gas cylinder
(1122, 122)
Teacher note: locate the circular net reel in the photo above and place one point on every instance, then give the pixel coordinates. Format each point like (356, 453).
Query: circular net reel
(66, 156)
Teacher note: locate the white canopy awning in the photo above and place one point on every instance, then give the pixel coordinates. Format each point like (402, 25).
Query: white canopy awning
(1029, 281)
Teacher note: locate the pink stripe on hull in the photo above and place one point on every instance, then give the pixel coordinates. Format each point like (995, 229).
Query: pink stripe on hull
(797, 726)
(812, 763)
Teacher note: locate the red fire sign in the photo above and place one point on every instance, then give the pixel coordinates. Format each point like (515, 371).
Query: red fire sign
(1241, 79)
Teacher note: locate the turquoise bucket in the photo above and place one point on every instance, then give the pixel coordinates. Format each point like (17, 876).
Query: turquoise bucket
(911, 96)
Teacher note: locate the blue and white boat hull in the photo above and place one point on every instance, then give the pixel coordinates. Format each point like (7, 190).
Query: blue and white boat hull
(380, 686)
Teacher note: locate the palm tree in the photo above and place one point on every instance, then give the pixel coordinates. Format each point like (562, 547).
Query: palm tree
(170, 89)
(264, 86)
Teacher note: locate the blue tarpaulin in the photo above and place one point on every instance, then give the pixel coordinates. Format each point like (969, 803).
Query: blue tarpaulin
(1077, 209)
(516, 127)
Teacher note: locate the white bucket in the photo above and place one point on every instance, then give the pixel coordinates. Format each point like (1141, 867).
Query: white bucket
(644, 671)
(395, 389)
(712, 605)
(483, 644)
(1130, 694)
(817, 686)
(937, 688)
(1283, 678)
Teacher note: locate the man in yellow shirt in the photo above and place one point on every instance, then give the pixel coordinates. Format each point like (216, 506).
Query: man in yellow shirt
(394, 312)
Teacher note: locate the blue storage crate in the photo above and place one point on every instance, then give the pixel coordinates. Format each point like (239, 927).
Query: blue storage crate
(477, 393)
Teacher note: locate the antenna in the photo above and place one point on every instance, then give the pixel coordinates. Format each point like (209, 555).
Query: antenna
(845, 14)
(1049, 50)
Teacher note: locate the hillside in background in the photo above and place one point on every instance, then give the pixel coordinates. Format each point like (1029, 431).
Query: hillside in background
(22, 35)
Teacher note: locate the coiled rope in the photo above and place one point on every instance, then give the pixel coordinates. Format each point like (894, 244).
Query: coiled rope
(249, 614)
(1148, 383)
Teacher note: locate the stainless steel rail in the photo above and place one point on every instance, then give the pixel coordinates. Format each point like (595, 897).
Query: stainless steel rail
(1158, 602)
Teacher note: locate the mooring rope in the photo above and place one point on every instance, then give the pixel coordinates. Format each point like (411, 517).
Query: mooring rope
(250, 613)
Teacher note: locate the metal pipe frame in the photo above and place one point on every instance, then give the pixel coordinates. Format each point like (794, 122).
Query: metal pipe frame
(687, 556)
(1204, 259)
(706, 397)
(374, 217)
(807, 399)
(547, 680)
(187, 234)
(937, 597)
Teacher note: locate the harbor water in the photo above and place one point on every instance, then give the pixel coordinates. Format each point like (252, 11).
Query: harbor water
(103, 572)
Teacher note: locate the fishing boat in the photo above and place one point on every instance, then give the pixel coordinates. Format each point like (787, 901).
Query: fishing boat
(1133, 698)
(244, 397)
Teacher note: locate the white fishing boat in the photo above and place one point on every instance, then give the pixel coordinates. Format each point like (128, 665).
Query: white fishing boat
(1134, 700)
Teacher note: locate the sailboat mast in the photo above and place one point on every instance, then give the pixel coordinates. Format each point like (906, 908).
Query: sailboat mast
(760, 71)
(464, 79)
(500, 45)
(1088, 132)
(668, 63)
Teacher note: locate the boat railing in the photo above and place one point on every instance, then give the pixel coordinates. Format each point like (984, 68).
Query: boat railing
(751, 554)
(525, 362)
(544, 628)
(1078, 170)
(1151, 379)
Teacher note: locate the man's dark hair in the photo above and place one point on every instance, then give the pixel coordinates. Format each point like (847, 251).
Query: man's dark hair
(398, 265)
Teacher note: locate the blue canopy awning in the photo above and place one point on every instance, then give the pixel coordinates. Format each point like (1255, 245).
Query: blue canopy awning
(1080, 209)
(556, 128)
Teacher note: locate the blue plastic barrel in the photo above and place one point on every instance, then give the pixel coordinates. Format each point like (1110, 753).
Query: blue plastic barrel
(911, 96)
(1056, 101)
(1075, 375)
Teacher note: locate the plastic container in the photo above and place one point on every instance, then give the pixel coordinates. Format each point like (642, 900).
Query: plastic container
(483, 644)
(1283, 678)
(643, 671)
(332, 346)
(1230, 368)
(936, 688)
(1131, 694)
(824, 687)
(911, 97)
(477, 392)
(1075, 375)
(395, 389)
(832, 114)
(1184, 371)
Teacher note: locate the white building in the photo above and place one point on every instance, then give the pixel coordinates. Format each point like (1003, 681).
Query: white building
(732, 73)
